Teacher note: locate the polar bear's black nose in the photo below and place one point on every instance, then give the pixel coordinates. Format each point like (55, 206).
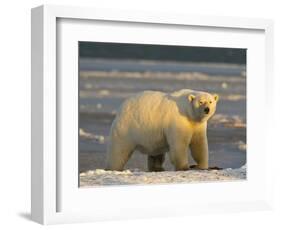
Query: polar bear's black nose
(207, 110)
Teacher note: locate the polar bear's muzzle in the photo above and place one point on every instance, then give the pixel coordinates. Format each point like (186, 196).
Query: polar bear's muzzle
(207, 110)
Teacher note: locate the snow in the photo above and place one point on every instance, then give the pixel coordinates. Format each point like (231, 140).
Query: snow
(90, 136)
(234, 121)
(101, 177)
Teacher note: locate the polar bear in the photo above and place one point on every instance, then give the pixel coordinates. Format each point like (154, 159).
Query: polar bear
(155, 123)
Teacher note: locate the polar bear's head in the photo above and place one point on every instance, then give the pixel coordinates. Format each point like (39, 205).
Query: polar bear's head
(203, 105)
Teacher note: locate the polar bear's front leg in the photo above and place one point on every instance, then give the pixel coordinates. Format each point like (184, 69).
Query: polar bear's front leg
(155, 163)
(178, 156)
(199, 149)
(178, 140)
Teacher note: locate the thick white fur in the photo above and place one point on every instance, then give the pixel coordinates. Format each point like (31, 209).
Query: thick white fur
(155, 123)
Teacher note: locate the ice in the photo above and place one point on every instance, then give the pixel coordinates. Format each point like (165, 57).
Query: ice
(100, 177)
(90, 136)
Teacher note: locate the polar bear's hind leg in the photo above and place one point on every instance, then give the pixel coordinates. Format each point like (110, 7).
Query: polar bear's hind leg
(118, 154)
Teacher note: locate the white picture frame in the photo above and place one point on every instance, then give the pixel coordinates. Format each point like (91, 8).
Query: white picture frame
(55, 196)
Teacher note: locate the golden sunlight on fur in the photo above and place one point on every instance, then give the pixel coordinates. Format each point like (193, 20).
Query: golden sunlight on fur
(156, 123)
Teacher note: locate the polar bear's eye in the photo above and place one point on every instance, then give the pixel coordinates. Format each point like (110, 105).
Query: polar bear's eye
(200, 102)
(210, 102)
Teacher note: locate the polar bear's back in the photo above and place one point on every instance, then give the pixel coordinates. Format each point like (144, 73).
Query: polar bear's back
(144, 108)
(142, 118)
(143, 104)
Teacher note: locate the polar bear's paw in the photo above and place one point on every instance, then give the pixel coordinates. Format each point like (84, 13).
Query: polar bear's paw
(157, 169)
(210, 168)
(215, 168)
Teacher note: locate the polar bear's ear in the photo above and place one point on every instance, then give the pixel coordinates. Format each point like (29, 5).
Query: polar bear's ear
(216, 97)
(191, 97)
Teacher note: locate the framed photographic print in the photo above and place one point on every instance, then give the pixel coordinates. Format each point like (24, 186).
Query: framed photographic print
(151, 83)
(142, 114)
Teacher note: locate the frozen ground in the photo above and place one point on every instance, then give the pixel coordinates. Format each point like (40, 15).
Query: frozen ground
(101, 177)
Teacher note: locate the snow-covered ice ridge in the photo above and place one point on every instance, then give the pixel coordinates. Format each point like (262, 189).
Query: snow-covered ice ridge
(101, 177)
